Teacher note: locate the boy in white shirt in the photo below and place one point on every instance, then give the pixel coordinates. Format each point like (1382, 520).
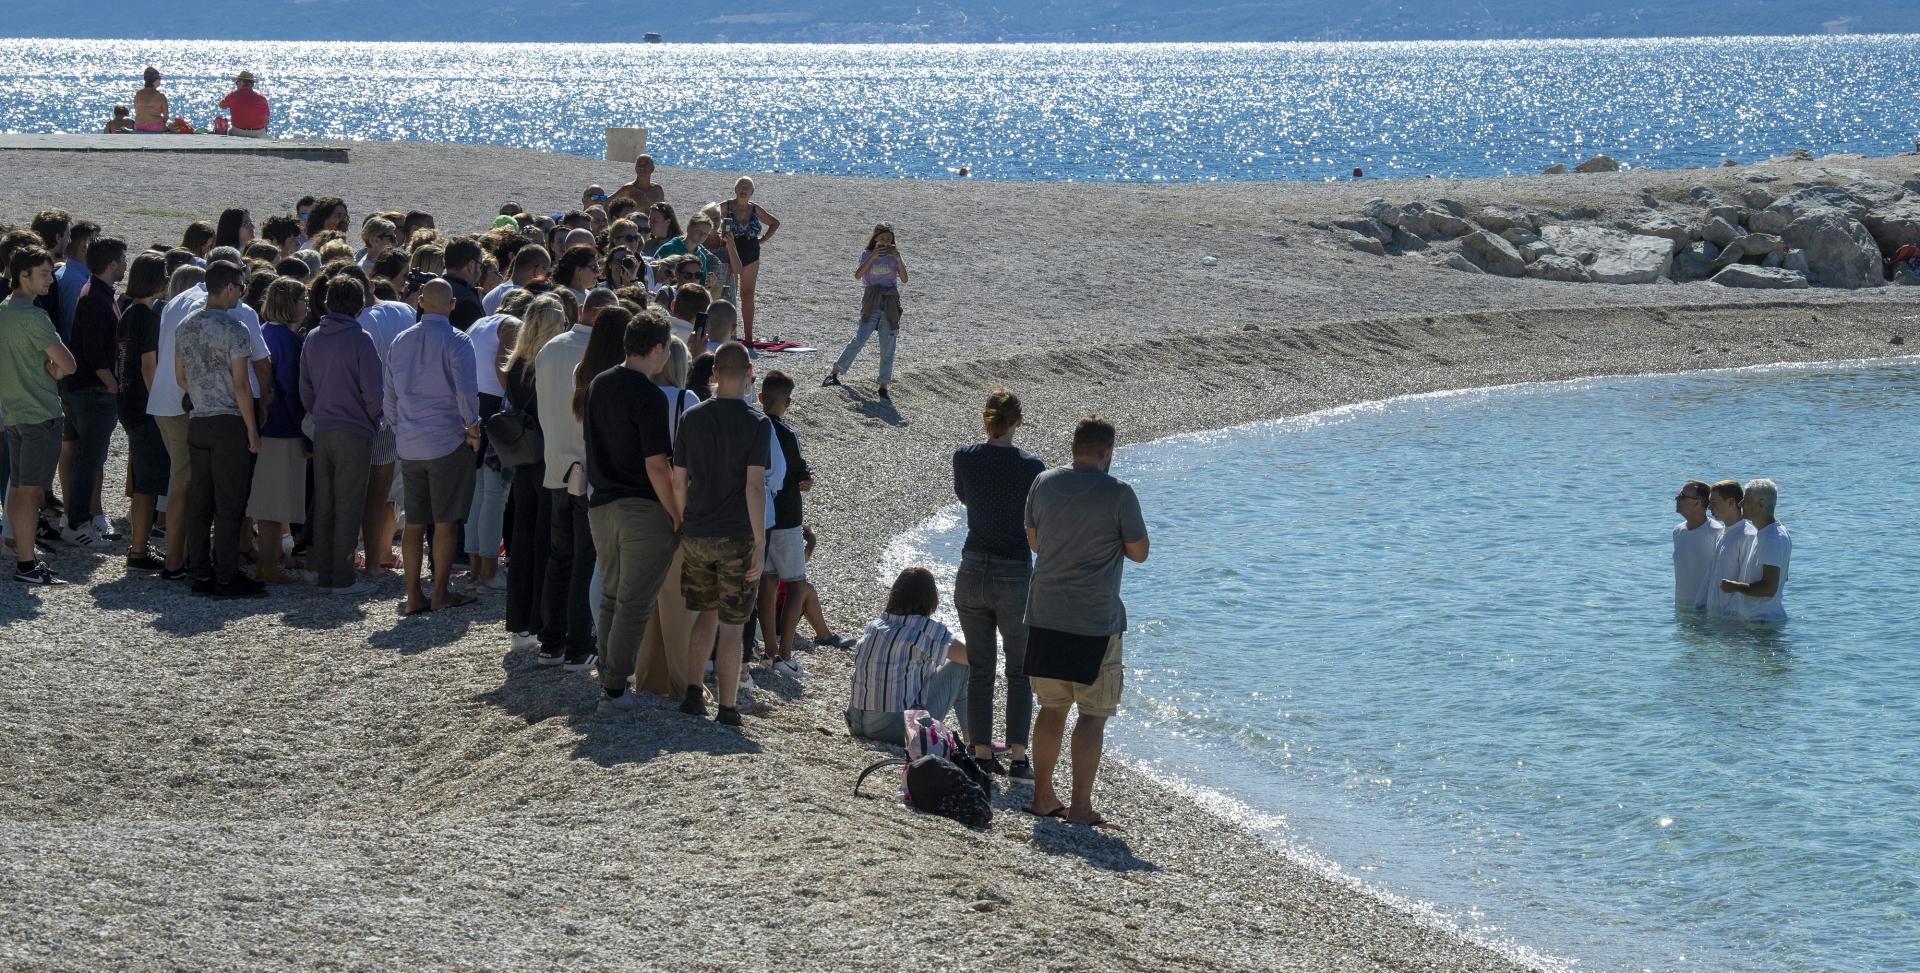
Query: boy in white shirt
(1729, 556)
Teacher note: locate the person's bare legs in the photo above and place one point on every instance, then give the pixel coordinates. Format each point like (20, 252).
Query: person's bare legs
(68, 449)
(798, 592)
(726, 664)
(140, 522)
(1089, 739)
(376, 516)
(749, 275)
(770, 616)
(23, 508)
(411, 544)
(270, 549)
(1048, 729)
(444, 541)
(815, 617)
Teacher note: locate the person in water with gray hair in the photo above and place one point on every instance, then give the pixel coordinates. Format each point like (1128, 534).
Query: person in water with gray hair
(1764, 571)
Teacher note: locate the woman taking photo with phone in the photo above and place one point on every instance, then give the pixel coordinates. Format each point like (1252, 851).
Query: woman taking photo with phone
(882, 270)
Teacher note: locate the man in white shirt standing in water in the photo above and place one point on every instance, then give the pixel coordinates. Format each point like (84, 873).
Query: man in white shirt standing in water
(1765, 568)
(1730, 555)
(1695, 539)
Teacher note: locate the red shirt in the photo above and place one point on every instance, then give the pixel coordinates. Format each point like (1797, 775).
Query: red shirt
(248, 106)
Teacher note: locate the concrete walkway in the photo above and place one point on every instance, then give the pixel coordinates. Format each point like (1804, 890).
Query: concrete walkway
(199, 144)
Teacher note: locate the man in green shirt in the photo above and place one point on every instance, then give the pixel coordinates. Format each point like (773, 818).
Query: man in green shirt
(32, 362)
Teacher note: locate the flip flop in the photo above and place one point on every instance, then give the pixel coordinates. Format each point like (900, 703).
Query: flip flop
(456, 599)
(409, 613)
(1058, 812)
(1102, 823)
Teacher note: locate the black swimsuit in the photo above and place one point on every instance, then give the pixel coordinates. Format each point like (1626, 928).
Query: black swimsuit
(746, 236)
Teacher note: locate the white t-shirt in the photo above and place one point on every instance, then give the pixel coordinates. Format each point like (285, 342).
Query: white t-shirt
(1729, 563)
(485, 335)
(1692, 559)
(1772, 545)
(682, 330)
(491, 303)
(164, 397)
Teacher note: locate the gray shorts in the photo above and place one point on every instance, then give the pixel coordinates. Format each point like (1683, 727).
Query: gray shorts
(439, 491)
(385, 449)
(787, 553)
(33, 452)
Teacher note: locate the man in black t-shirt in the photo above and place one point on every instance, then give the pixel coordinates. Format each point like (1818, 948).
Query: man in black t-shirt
(720, 464)
(786, 544)
(634, 512)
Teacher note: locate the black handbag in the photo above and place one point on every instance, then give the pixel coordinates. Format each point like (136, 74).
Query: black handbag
(516, 439)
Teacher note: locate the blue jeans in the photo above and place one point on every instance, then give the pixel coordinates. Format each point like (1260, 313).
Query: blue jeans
(889, 337)
(95, 412)
(990, 595)
(488, 510)
(945, 688)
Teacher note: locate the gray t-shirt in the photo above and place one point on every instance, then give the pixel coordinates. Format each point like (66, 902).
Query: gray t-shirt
(717, 441)
(206, 345)
(1084, 519)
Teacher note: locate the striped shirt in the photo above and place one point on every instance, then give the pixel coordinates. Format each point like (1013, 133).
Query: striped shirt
(894, 659)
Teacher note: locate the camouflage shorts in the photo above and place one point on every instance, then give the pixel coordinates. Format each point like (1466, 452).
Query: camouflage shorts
(713, 575)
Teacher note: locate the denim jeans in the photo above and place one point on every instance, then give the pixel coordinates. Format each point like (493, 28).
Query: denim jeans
(944, 689)
(990, 596)
(889, 337)
(95, 412)
(488, 510)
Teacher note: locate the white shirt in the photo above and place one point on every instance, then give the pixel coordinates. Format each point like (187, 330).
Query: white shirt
(1692, 559)
(491, 303)
(485, 335)
(675, 410)
(164, 397)
(563, 435)
(1772, 545)
(1729, 560)
(681, 329)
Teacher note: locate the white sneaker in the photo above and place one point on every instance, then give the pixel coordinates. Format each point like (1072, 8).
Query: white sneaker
(523, 641)
(84, 537)
(499, 580)
(104, 527)
(789, 668)
(360, 586)
(626, 701)
(746, 680)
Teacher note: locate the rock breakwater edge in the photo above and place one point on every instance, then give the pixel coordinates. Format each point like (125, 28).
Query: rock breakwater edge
(300, 784)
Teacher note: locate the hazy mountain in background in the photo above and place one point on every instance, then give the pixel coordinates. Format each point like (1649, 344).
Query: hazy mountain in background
(958, 20)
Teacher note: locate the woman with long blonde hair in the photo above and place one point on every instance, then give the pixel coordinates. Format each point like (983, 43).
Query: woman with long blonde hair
(543, 318)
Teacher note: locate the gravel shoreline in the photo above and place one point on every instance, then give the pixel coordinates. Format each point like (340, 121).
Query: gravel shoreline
(303, 784)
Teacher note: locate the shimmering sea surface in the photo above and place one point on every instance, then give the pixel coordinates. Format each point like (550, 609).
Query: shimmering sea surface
(1180, 113)
(1432, 641)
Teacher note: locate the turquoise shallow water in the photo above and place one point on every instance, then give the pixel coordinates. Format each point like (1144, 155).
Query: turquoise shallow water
(1435, 636)
(1132, 112)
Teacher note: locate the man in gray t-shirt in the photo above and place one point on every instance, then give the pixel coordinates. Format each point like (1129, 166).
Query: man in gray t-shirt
(211, 351)
(1081, 523)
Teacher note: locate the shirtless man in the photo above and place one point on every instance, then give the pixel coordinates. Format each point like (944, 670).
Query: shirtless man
(641, 189)
(149, 105)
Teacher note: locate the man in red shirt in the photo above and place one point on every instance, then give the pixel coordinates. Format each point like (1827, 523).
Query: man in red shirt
(248, 108)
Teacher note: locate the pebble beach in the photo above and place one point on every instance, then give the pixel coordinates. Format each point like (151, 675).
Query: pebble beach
(302, 784)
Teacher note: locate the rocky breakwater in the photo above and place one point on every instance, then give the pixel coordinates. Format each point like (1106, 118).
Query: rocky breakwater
(1824, 228)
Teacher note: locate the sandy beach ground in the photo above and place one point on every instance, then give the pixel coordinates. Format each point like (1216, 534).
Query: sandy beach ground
(301, 784)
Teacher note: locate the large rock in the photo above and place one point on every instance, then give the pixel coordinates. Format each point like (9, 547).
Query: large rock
(1839, 251)
(1554, 170)
(1719, 232)
(1414, 218)
(1461, 263)
(1765, 278)
(1815, 199)
(1894, 225)
(1535, 250)
(1796, 261)
(1366, 244)
(1500, 219)
(1753, 197)
(1760, 244)
(1366, 226)
(1657, 224)
(1599, 163)
(1875, 193)
(1449, 225)
(1768, 221)
(1555, 267)
(1496, 255)
(1406, 242)
(1452, 207)
(1613, 256)
(1519, 236)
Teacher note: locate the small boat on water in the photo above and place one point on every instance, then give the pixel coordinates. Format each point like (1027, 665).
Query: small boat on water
(651, 37)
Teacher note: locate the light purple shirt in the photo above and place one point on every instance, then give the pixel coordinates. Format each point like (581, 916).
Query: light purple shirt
(431, 395)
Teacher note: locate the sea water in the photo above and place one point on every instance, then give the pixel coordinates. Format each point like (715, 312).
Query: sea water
(1435, 637)
(1131, 112)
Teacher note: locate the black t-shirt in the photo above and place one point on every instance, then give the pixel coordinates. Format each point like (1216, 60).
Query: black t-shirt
(993, 482)
(139, 334)
(466, 304)
(786, 506)
(626, 423)
(719, 439)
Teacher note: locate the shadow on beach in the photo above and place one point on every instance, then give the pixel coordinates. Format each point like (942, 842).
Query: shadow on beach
(175, 609)
(874, 407)
(1105, 850)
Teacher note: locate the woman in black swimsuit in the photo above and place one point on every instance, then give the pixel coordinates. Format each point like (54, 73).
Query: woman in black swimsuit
(744, 221)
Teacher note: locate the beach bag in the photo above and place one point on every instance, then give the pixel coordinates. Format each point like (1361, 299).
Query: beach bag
(516, 438)
(938, 775)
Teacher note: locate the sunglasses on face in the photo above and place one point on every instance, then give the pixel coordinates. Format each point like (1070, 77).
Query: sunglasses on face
(628, 237)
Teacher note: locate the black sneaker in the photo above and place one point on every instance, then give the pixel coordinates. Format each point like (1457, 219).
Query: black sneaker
(727, 716)
(991, 764)
(1020, 770)
(551, 657)
(36, 574)
(179, 574)
(241, 587)
(832, 380)
(204, 587)
(696, 702)
(884, 395)
(145, 562)
(576, 661)
(836, 641)
(48, 535)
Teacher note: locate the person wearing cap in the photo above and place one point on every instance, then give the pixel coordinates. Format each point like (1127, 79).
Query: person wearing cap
(247, 107)
(150, 106)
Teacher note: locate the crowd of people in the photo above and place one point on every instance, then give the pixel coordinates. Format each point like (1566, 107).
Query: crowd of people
(1730, 553)
(568, 408)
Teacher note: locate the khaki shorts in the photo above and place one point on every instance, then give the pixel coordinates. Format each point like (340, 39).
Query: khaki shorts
(173, 432)
(713, 577)
(1100, 699)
